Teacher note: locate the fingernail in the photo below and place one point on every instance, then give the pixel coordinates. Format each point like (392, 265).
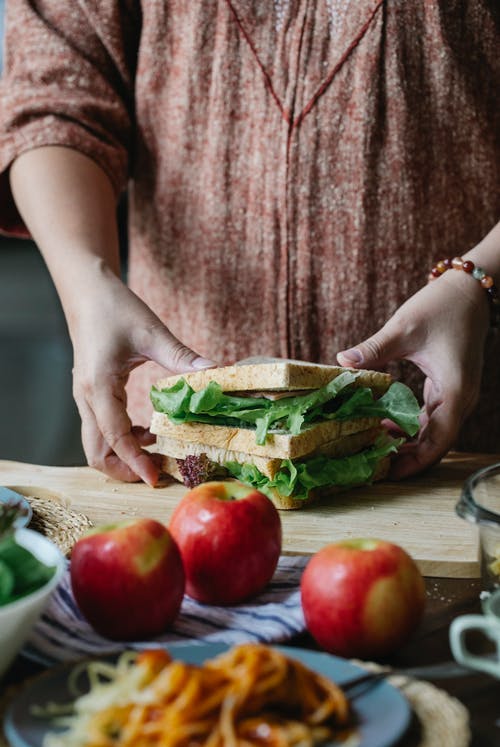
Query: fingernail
(353, 355)
(149, 471)
(203, 363)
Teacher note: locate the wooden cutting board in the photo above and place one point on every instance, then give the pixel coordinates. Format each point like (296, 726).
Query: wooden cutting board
(418, 514)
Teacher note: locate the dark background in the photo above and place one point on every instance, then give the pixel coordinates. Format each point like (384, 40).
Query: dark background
(39, 422)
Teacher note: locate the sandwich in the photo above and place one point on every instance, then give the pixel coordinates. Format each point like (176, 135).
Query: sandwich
(295, 431)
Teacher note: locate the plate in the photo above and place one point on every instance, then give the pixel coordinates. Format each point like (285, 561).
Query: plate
(382, 713)
(25, 511)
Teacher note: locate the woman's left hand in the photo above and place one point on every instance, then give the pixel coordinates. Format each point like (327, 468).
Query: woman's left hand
(442, 329)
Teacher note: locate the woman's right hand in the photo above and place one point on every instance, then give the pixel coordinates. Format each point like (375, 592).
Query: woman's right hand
(68, 203)
(113, 332)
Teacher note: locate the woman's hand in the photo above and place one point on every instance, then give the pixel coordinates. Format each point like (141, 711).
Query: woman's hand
(442, 329)
(113, 332)
(68, 203)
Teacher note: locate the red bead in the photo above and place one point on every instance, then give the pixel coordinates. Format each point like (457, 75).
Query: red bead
(486, 281)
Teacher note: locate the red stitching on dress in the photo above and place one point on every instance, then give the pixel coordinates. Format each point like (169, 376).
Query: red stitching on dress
(305, 111)
(322, 88)
(266, 75)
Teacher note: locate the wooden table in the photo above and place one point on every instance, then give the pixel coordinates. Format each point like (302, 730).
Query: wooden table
(447, 596)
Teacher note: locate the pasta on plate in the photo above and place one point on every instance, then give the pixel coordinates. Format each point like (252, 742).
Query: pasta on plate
(251, 695)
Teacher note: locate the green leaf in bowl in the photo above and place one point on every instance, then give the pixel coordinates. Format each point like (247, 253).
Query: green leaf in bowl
(28, 573)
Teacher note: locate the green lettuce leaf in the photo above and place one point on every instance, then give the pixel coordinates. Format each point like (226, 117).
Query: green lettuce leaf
(338, 399)
(20, 571)
(398, 404)
(401, 406)
(175, 400)
(298, 478)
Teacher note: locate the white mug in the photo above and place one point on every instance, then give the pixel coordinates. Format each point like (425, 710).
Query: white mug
(489, 624)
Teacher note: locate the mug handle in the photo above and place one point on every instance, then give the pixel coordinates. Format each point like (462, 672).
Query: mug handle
(459, 628)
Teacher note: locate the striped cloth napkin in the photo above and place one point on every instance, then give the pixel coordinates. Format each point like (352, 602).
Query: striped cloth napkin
(62, 634)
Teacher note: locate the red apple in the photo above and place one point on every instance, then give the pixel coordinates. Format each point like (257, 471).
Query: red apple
(229, 536)
(362, 597)
(128, 579)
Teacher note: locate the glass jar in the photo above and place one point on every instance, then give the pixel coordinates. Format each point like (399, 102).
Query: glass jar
(480, 504)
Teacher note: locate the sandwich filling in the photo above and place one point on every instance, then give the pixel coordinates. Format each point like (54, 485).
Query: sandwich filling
(292, 477)
(337, 400)
(295, 419)
(298, 478)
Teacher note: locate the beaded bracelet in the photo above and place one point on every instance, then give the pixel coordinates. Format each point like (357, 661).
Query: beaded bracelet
(486, 281)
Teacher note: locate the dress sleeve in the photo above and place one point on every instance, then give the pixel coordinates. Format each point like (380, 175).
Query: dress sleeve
(68, 81)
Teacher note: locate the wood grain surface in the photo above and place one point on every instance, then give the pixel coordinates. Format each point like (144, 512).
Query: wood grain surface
(418, 513)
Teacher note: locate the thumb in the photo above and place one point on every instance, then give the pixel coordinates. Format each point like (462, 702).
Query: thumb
(373, 352)
(170, 353)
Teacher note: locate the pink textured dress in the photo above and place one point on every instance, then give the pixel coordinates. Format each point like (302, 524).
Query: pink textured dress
(295, 167)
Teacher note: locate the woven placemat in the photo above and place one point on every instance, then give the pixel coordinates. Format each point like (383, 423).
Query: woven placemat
(57, 521)
(441, 720)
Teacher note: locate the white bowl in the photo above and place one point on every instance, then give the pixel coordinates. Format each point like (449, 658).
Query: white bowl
(17, 618)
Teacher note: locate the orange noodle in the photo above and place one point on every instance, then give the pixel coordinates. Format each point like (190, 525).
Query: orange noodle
(252, 695)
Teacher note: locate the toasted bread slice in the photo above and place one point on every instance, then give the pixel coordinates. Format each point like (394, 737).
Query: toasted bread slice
(170, 466)
(278, 445)
(279, 375)
(174, 449)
